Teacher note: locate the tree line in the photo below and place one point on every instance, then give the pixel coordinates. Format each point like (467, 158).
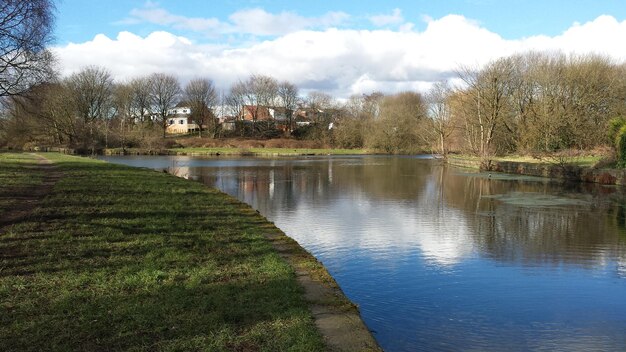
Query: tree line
(536, 102)
(531, 103)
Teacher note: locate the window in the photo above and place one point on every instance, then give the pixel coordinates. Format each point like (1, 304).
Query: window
(184, 111)
(182, 122)
(171, 121)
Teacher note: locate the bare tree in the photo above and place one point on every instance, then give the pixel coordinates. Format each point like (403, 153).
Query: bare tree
(264, 88)
(141, 103)
(489, 90)
(123, 102)
(288, 94)
(235, 98)
(320, 100)
(397, 122)
(59, 114)
(256, 93)
(201, 96)
(92, 90)
(25, 119)
(440, 113)
(25, 30)
(236, 101)
(262, 93)
(320, 103)
(165, 93)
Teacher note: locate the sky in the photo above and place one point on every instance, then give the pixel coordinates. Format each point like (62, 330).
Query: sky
(338, 47)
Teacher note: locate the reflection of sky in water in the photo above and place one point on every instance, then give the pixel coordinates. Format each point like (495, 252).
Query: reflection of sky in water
(439, 259)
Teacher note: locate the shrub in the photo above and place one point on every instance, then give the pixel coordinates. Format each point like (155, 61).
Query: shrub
(620, 146)
(615, 124)
(617, 133)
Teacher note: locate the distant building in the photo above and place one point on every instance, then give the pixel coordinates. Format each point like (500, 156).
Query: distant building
(179, 120)
(255, 113)
(228, 123)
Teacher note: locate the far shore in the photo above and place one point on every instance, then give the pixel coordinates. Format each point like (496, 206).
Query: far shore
(571, 169)
(216, 151)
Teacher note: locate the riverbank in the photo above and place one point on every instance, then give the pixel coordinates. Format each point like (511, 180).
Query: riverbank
(117, 258)
(216, 151)
(579, 171)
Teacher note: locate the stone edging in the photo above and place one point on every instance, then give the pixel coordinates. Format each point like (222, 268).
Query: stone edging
(337, 319)
(556, 171)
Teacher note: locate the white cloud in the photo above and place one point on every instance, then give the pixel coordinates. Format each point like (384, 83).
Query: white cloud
(341, 62)
(384, 20)
(156, 15)
(260, 22)
(601, 36)
(254, 21)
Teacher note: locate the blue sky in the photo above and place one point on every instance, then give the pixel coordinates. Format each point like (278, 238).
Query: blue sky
(342, 47)
(80, 20)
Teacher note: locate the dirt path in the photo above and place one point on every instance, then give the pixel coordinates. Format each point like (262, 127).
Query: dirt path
(29, 198)
(340, 323)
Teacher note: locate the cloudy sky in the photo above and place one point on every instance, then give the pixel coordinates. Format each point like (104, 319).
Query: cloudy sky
(340, 47)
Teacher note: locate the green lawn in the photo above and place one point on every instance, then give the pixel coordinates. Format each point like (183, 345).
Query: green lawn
(16, 176)
(119, 258)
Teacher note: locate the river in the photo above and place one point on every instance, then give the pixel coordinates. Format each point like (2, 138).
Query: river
(440, 258)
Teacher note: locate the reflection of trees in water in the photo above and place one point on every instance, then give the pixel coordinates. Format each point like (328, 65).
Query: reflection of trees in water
(384, 179)
(583, 234)
(587, 235)
(286, 184)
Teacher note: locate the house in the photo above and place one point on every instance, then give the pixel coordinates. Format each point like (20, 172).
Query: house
(279, 114)
(179, 120)
(301, 121)
(305, 116)
(228, 123)
(281, 118)
(327, 117)
(255, 113)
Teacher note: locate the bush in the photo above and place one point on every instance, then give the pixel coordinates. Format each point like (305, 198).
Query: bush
(617, 134)
(620, 146)
(349, 134)
(615, 124)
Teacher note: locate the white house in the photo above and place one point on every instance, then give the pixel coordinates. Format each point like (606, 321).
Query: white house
(179, 120)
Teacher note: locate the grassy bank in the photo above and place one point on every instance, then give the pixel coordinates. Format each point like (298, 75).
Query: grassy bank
(590, 169)
(118, 258)
(581, 161)
(266, 151)
(17, 176)
(261, 151)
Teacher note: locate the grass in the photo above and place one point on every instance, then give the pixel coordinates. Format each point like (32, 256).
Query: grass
(119, 258)
(582, 161)
(16, 177)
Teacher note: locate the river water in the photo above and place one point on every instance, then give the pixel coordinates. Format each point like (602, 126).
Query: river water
(440, 258)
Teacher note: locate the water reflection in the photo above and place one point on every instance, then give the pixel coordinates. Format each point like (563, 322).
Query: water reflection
(454, 213)
(441, 258)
